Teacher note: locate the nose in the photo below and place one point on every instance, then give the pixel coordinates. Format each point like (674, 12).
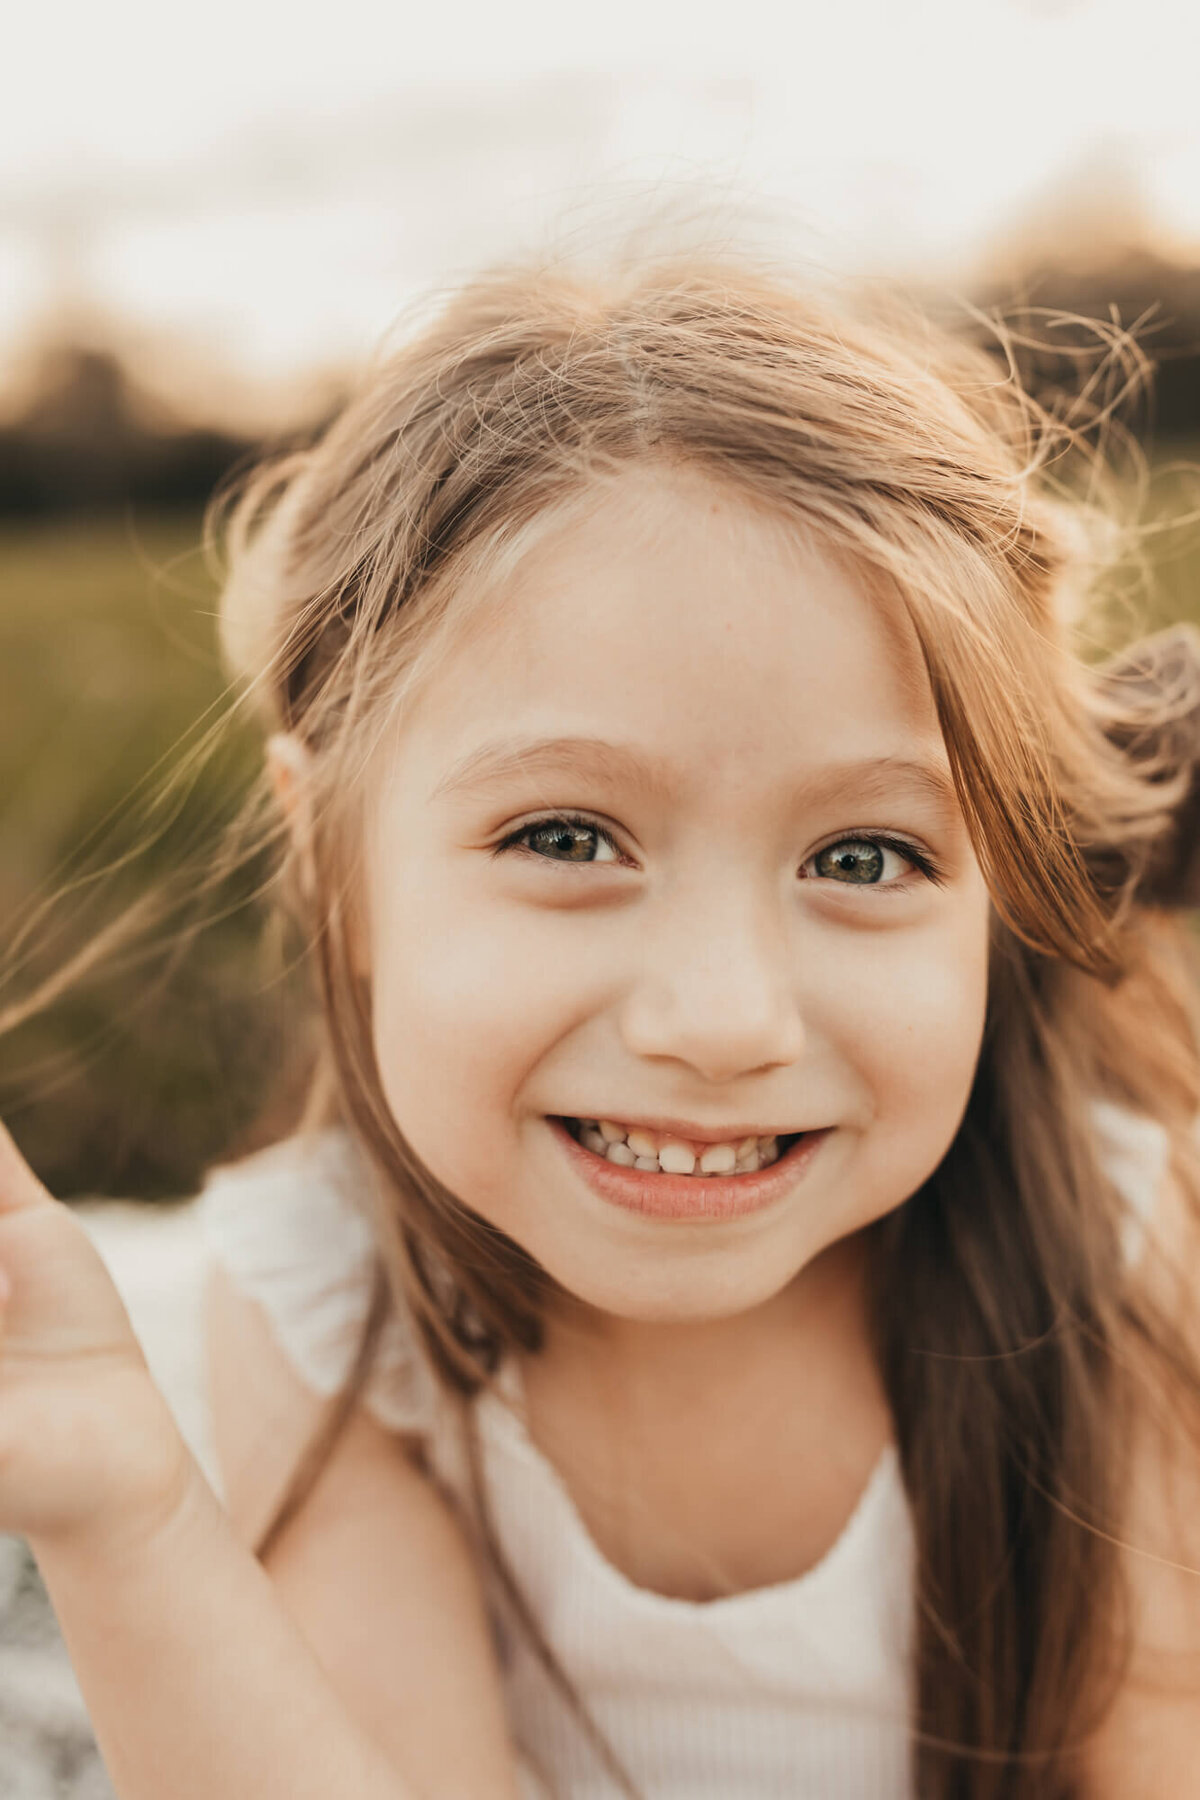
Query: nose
(718, 991)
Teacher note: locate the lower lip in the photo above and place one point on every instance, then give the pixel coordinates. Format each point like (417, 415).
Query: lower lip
(662, 1196)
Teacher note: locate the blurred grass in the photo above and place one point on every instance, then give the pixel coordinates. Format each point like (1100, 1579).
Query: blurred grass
(138, 1078)
(1172, 552)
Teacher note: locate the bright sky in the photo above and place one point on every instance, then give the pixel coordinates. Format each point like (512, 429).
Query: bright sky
(269, 183)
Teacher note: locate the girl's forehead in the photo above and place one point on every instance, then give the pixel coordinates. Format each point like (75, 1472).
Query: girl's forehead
(679, 605)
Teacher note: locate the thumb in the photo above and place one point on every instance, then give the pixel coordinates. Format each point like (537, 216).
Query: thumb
(19, 1186)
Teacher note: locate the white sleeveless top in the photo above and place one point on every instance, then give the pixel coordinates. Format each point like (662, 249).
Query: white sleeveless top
(799, 1690)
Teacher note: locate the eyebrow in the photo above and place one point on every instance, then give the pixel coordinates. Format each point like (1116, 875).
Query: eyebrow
(867, 779)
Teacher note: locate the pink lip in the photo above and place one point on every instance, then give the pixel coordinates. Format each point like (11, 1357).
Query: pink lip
(661, 1196)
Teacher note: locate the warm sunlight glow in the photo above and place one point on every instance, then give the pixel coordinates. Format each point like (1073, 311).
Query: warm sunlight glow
(272, 199)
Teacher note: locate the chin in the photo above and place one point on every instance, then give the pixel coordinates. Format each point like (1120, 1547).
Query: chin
(687, 1295)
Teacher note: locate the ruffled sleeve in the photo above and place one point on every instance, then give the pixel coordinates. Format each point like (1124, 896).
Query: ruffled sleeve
(286, 1227)
(1134, 1151)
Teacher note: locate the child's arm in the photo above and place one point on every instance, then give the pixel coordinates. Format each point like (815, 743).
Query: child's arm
(198, 1683)
(374, 1569)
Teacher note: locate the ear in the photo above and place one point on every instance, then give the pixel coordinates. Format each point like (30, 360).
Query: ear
(289, 765)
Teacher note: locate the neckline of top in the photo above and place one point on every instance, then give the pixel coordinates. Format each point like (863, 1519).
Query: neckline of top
(501, 1416)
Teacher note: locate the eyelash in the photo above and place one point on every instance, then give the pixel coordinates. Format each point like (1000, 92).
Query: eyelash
(920, 859)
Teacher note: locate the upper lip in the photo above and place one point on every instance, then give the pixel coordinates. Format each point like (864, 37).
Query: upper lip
(684, 1128)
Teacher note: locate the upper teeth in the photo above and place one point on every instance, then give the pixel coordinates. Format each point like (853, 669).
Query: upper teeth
(635, 1147)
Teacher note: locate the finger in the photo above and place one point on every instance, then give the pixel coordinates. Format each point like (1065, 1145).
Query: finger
(19, 1186)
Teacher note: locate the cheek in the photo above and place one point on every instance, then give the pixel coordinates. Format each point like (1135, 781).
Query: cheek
(911, 1031)
(466, 1002)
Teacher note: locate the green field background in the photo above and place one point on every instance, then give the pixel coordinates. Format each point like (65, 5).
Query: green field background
(110, 691)
(134, 1081)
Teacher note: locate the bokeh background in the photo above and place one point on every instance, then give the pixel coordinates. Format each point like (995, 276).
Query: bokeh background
(208, 221)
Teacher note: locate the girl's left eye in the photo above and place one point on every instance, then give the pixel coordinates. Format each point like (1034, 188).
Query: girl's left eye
(568, 840)
(866, 862)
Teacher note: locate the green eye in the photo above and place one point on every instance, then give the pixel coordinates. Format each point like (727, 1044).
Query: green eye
(868, 862)
(565, 840)
(853, 860)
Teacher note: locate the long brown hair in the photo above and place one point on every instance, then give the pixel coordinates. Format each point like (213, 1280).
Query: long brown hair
(1006, 1319)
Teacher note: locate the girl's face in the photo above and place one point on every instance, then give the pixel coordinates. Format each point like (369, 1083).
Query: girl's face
(670, 840)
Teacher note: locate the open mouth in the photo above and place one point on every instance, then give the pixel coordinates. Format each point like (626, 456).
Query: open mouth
(632, 1147)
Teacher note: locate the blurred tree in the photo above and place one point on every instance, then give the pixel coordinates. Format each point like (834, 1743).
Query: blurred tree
(90, 439)
(1133, 287)
(1088, 247)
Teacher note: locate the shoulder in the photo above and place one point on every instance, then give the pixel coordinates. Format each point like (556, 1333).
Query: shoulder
(375, 1568)
(264, 1414)
(1150, 1741)
(288, 1229)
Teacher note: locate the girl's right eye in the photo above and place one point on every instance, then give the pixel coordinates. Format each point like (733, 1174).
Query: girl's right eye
(566, 839)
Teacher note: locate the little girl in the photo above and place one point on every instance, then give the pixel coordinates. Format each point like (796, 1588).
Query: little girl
(725, 1326)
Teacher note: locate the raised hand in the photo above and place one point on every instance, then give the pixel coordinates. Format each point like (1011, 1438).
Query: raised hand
(196, 1679)
(87, 1443)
